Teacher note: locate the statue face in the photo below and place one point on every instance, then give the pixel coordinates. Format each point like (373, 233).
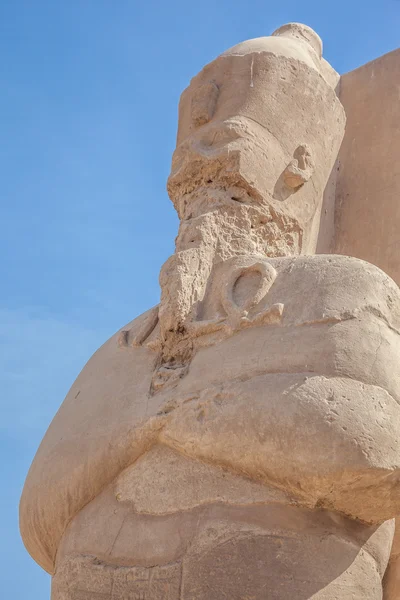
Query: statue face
(250, 115)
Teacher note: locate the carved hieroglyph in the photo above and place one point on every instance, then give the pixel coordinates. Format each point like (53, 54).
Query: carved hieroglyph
(240, 439)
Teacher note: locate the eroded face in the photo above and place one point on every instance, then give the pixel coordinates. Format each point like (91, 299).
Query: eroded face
(245, 120)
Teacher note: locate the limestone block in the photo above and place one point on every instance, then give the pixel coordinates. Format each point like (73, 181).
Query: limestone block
(367, 216)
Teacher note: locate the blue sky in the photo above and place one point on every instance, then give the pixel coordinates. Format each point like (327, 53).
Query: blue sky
(88, 120)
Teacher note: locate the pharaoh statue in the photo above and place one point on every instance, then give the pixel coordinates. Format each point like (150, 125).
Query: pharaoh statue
(239, 440)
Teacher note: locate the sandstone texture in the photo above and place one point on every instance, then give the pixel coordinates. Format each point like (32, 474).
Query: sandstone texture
(240, 439)
(367, 180)
(301, 414)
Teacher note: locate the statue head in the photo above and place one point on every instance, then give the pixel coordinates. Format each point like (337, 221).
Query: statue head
(261, 125)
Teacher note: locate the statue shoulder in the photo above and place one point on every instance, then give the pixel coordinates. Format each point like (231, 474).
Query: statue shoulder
(101, 424)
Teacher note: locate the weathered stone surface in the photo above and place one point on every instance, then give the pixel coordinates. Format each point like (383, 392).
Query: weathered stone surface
(367, 188)
(163, 481)
(324, 377)
(216, 549)
(220, 551)
(240, 439)
(247, 182)
(87, 578)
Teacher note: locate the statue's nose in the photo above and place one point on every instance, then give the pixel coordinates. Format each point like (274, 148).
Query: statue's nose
(206, 142)
(211, 137)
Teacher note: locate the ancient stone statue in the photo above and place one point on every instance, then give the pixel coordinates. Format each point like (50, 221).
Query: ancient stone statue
(240, 440)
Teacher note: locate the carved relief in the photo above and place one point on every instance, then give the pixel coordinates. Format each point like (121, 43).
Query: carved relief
(236, 305)
(239, 309)
(129, 338)
(235, 293)
(87, 578)
(239, 300)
